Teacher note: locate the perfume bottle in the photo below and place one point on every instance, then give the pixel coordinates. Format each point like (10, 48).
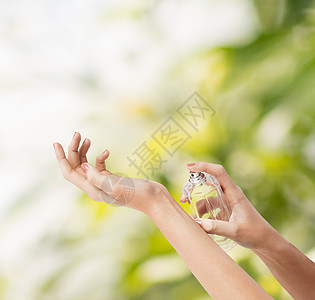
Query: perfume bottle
(206, 201)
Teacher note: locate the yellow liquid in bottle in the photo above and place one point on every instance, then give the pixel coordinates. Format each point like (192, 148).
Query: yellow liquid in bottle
(206, 203)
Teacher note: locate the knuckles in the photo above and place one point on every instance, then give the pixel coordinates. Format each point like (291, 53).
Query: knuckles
(239, 195)
(220, 169)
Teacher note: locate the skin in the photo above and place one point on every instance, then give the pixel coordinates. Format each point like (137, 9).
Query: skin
(212, 267)
(294, 271)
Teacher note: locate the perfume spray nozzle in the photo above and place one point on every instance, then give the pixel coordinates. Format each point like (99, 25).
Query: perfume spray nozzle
(195, 177)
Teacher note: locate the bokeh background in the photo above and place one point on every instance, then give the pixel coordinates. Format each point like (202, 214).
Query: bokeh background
(115, 71)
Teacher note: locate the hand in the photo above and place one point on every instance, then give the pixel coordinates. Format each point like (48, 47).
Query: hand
(100, 184)
(246, 226)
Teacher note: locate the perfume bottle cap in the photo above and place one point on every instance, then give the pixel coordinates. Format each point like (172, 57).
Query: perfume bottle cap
(196, 177)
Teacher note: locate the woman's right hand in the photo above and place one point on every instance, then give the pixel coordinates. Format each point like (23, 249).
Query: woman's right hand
(246, 226)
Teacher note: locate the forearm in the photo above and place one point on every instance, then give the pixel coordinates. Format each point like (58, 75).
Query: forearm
(221, 277)
(294, 271)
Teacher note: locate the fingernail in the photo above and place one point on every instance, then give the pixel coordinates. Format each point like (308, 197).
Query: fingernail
(54, 145)
(85, 167)
(105, 151)
(198, 221)
(75, 133)
(190, 164)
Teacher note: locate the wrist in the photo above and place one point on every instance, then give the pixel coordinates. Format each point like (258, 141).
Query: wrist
(161, 199)
(160, 203)
(272, 244)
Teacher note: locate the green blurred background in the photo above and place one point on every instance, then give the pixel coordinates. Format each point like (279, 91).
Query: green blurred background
(115, 71)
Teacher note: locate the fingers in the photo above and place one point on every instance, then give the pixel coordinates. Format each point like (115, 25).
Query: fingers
(83, 150)
(74, 177)
(64, 164)
(109, 183)
(73, 153)
(100, 161)
(93, 175)
(222, 228)
(216, 170)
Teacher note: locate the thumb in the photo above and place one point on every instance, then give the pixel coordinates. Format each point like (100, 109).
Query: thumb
(93, 175)
(223, 228)
(107, 182)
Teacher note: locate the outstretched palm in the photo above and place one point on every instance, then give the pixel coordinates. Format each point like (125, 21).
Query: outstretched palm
(99, 183)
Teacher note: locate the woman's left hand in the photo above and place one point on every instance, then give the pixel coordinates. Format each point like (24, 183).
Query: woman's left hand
(100, 184)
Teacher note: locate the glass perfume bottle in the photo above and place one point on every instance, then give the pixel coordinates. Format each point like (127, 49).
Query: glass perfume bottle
(206, 201)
